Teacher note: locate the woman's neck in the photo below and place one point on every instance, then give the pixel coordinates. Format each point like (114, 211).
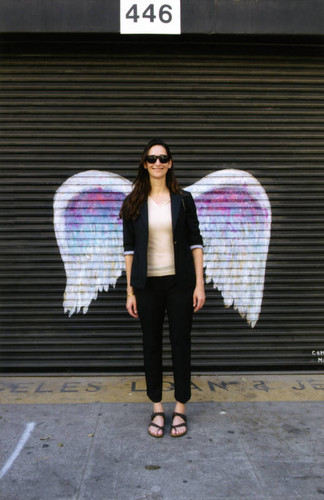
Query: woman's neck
(158, 187)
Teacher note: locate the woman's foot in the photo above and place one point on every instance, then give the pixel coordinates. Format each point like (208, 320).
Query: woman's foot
(179, 421)
(156, 427)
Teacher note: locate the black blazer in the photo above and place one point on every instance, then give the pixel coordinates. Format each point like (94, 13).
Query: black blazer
(186, 234)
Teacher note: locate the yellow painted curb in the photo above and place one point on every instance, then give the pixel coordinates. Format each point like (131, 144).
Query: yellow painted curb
(115, 389)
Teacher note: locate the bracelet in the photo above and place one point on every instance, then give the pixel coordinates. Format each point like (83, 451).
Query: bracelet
(130, 294)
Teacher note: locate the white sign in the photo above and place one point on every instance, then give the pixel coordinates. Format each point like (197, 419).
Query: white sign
(153, 17)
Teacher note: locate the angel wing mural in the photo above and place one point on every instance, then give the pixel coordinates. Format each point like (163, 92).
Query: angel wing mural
(235, 220)
(89, 234)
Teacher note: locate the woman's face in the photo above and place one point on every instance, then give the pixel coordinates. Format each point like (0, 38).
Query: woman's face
(157, 170)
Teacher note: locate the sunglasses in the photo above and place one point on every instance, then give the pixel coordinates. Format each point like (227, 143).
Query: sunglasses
(152, 158)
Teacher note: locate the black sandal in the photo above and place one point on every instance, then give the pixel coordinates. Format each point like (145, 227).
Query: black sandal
(184, 424)
(160, 427)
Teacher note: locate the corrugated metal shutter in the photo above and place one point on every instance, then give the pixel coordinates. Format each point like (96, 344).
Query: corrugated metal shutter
(73, 104)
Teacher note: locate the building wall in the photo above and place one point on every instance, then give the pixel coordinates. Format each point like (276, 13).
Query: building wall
(73, 104)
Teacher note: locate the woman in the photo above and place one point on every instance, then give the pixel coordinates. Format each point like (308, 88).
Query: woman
(164, 269)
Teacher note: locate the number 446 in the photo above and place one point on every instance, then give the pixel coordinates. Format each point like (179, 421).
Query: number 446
(165, 15)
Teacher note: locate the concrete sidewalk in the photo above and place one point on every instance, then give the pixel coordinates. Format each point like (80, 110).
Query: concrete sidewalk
(102, 451)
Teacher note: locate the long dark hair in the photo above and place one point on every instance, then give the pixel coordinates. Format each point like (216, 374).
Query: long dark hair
(142, 187)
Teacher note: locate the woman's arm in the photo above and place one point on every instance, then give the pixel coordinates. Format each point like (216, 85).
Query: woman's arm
(199, 292)
(128, 234)
(131, 304)
(195, 239)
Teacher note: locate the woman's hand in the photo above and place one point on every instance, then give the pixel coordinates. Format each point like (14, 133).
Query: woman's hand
(199, 297)
(131, 306)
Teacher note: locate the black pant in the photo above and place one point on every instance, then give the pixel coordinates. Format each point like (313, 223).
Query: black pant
(162, 294)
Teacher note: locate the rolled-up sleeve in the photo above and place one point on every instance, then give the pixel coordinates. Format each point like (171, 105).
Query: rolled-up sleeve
(128, 236)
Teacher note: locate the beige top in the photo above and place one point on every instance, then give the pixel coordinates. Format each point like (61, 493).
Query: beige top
(160, 251)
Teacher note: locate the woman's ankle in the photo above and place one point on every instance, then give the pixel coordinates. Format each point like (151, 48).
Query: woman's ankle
(157, 408)
(180, 407)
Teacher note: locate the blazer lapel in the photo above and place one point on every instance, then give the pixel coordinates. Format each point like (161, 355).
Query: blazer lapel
(175, 209)
(144, 215)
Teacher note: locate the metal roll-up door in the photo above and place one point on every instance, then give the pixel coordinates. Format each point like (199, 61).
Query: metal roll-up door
(80, 103)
